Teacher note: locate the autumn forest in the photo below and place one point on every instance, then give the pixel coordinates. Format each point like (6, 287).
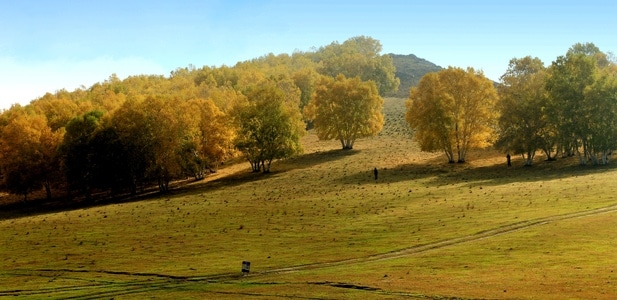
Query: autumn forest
(123, 136)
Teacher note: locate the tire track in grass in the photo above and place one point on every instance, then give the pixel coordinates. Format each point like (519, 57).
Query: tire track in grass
(162, 281)
(85, 289)
(109, 288)
(116, 291)
(445, 243)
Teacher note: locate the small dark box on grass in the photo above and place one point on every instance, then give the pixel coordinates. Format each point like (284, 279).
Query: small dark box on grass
(246, 267)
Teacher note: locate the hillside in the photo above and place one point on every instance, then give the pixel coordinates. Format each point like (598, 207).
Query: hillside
(321, 227)
(409, 69)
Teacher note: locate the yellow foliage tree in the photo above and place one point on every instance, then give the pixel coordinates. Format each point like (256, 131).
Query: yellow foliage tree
(59, 108)
(155, 130)
(216, 135)
(28, 151)
(453, 110)
(345, 109)
(359, 56)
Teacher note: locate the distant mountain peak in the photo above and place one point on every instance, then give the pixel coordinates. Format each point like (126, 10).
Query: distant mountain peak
(409, 69)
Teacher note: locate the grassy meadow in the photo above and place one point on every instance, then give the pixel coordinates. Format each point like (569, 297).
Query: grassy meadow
(321, 227)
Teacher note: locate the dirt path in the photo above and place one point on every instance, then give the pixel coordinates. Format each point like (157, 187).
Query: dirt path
(148, 282)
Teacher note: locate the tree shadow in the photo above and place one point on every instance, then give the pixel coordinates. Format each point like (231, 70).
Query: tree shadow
(316, 158)
(278, 167)
(440, 173)
(61, 204)
(42, 206)
(403, 172)
(499, 174)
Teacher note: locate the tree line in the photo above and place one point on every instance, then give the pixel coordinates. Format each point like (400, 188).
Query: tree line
(122, 136)
(568, 108)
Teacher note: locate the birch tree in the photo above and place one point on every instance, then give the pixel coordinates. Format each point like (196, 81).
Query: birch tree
(523, 126)
(453, 110)
(345, 109)
(269, 125)
(582, 92)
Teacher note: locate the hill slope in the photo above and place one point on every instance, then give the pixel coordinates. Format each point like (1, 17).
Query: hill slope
(321, 226)
(409, 69)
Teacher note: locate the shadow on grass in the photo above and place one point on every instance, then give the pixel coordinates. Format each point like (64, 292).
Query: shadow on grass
(499, 174)
(278, 167)
(42, 206)
(316, 158)
(60, 204)
(439, 173)
(433, 171)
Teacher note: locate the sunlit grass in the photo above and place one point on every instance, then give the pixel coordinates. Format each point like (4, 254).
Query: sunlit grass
(326, 207)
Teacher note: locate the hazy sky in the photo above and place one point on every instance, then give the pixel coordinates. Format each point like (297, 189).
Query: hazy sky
(50, 45)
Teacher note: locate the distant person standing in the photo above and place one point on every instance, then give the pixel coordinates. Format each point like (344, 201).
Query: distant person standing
(508, 159)
(376, 173)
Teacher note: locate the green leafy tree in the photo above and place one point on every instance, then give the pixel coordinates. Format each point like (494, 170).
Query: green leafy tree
(77, 152)
(359, 56)
(580, 89)
(601, 96)
(134, 135)
(453, 110)
(568, 79)
(523, 125)
(110, 164)
(345, 109)
(305, 80)
(269, 126)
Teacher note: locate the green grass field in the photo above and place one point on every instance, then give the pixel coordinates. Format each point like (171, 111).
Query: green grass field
(321, 227)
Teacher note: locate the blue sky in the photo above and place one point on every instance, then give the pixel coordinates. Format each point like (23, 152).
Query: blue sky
(50, 45)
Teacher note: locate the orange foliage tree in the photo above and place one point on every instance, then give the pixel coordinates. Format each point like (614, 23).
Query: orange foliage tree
(28, 150)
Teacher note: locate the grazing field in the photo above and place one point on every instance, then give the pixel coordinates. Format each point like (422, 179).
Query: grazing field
(321, 227)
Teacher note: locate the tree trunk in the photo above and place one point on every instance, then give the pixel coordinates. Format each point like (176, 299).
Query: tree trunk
(529, 159)
(267, 166)
(605, 157)
(449, 155)
(255, 166)
(461, 153)
(47, 190)
(160, 182)
(461, 156)
(347, 144)
(164, 184)
(548, 155)
(133, 185)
